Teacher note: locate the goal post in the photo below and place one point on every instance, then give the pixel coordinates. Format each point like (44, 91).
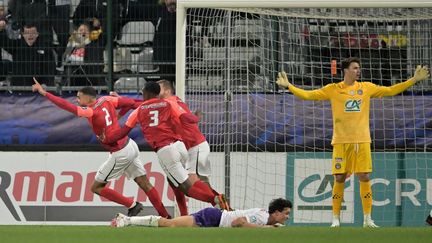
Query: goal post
(266, 143)
(182, 5)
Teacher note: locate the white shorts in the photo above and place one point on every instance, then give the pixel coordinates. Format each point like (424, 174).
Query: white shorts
(172, 159)
(198, 162)
(125, 161)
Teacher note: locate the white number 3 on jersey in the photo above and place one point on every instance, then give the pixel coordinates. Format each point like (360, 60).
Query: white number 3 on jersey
(108, 120)
(154, 118)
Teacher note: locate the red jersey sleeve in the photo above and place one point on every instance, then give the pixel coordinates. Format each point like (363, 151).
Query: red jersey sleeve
(135, 104)
(118, 134)
(132, 119)
(84, 112)
(176, 109)
(189, 118)
(121, 102)
(62, 103)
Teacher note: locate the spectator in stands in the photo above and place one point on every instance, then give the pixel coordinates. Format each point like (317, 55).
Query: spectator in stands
(59, 13)
(31, 58)
(12, 29)
(97, 10)
(86, 46)
(32, 11)
(4, 64)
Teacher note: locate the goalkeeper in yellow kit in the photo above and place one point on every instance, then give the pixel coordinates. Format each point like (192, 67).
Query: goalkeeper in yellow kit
(350, 102)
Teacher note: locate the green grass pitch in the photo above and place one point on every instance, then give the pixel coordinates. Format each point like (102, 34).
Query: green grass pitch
(105, 234)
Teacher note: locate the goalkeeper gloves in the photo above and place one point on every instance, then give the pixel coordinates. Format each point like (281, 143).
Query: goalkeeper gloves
(421, 73)
(282, 80)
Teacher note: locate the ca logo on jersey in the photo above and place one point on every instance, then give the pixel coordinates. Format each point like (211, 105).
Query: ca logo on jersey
(353, 105)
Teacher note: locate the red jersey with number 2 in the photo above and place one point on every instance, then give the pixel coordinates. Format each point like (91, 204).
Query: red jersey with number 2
(102, 117)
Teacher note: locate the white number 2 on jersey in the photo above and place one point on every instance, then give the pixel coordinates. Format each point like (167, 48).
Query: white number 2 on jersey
(154, 117)
(107, 117)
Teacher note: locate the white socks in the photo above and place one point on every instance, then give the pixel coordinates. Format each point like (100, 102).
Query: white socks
(367, 218)
(368, 222)
(336, 221)
(149, 221)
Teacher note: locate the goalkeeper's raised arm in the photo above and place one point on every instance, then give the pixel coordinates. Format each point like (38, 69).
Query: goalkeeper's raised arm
(317, 94)
(421, 73)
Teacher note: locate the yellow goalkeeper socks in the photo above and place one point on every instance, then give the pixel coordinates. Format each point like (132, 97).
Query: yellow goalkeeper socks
(338, 192)
(366, 196)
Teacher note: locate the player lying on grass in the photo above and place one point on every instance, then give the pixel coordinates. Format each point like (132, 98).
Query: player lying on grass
(278, 212)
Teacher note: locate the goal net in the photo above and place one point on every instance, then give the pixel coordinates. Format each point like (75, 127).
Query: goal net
(266, 143)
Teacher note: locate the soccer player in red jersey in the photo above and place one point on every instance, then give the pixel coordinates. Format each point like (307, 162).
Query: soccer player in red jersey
(157, 120)
(198, 164)
(198, 148)
(124, 152)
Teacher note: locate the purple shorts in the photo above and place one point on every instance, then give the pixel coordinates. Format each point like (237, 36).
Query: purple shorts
(208, 217)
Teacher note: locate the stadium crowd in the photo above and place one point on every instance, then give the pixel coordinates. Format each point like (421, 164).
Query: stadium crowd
(45, 38)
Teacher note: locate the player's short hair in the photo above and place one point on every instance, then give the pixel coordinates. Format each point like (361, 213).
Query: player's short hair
(152, 88)
(279, 204)
(90, 91)
(347, 62)
(166, 84)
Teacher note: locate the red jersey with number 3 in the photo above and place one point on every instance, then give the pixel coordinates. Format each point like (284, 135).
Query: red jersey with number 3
(157, 122)
(102, 117)
(189, 132)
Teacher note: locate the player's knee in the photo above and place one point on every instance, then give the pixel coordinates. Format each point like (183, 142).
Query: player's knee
(363, 177)
(184, 187)
(204, 179)
(97, 187)
(340, 178)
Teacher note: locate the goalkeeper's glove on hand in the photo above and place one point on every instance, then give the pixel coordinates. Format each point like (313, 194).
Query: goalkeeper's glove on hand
(282, 80)
(421, 73)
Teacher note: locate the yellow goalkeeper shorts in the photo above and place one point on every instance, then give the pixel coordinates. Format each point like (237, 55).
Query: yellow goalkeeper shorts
(349, 158)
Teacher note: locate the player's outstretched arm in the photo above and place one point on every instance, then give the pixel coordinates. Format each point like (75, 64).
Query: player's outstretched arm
(62, 103)
(123, 131)
(125, 104)
(317, 94)
(421, 73)
(117, 134)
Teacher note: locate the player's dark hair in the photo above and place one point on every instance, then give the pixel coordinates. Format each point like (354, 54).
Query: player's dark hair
(166, 84)
(279, 204)
(347, 62)
(152, 88)
(90, 91)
